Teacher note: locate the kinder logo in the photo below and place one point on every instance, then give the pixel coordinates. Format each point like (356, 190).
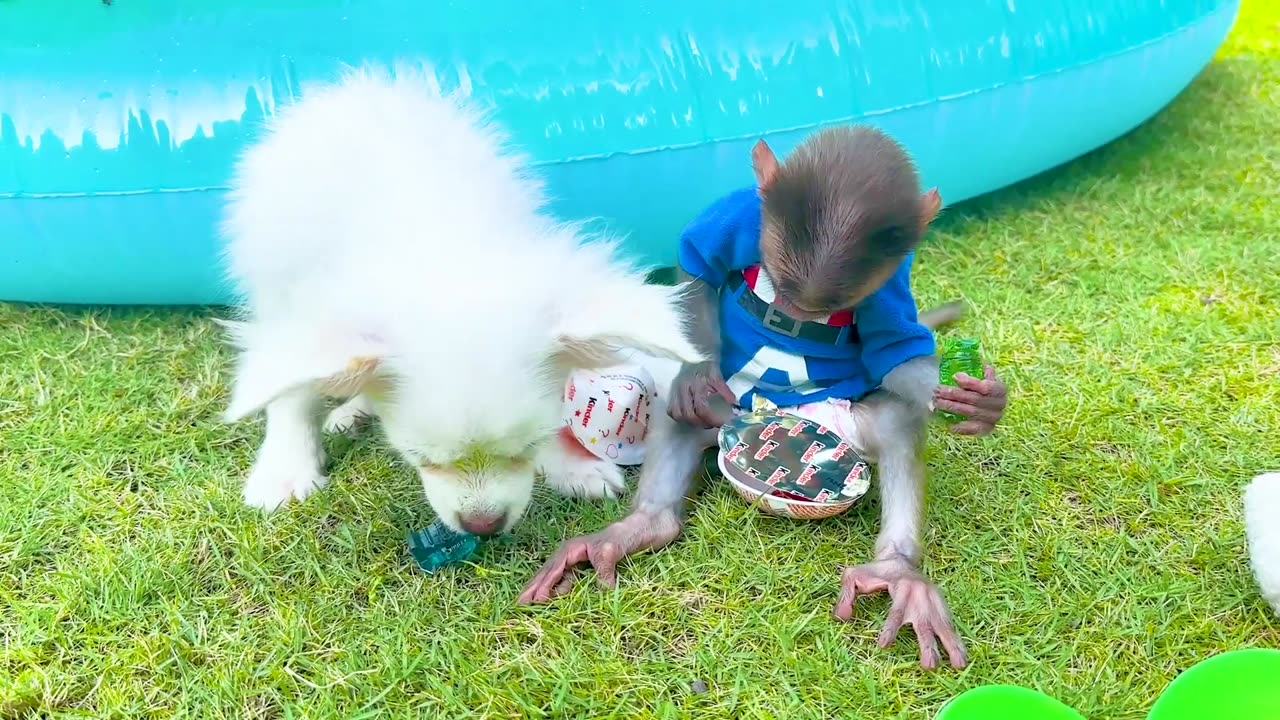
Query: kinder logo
(799, 428)
(764, 452)
(814, 449)
(769, 430)
(610, 407)
(735, 451)
(586, 414)
(854, 474)
(840, 450)
(777, 476)
(807, 475)
(824, 495)
(822, 428)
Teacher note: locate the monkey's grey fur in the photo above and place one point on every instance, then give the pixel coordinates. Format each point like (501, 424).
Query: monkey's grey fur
(844, 204)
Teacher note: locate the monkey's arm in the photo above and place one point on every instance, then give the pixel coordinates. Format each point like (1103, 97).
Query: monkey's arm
(675, 448)
(656, 517)
(700, 302)
(716, 243)
(722, 239)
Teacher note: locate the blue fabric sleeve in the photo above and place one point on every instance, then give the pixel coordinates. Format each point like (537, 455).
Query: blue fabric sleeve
(889, 327)
(725, 237)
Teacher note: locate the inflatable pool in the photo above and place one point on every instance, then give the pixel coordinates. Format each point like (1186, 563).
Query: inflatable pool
(119, 119)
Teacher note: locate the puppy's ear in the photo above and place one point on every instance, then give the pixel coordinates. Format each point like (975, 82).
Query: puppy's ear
(273, 361)
(622, 313)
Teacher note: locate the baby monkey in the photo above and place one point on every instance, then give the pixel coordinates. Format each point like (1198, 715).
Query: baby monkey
(799, 291)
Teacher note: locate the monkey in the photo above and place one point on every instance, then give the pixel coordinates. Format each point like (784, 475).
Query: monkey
(798, 290)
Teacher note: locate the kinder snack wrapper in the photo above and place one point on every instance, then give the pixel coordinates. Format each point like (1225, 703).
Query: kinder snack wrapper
(608, 411)
(796, 458)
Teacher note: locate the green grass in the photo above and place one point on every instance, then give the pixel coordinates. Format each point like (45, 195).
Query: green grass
(1093, 549)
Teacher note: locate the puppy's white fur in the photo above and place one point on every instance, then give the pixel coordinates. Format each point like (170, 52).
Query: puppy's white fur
(391, 248)
(1262, 529)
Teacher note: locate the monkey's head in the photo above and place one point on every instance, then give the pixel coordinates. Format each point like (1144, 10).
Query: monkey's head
(837, 218)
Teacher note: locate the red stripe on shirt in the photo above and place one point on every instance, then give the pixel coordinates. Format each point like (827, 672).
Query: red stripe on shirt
(841, 318)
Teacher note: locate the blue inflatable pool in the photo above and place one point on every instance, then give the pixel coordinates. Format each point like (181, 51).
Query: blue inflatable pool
(119, 120)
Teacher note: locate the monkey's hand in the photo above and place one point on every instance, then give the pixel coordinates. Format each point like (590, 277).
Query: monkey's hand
(980, 401)
(635, 533)
(915, 602)
(693, 396)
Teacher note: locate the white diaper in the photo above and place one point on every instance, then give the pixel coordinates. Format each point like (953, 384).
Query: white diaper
(608, 411)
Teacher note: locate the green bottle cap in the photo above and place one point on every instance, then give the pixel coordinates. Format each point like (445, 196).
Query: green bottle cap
(437, 545)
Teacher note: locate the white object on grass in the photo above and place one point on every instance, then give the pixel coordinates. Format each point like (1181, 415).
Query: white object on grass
(1262, 528)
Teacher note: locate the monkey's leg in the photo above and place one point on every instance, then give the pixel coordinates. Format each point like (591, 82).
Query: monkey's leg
(896, 434)
(656, 518)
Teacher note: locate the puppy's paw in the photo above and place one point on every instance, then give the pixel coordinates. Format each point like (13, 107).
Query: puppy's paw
(347, 416)
(272, 482)
(587, 479)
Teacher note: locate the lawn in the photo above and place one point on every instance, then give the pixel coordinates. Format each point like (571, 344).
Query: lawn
(1092, 549)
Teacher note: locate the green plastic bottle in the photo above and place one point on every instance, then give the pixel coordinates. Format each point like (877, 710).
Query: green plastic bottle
(961, 355)
(438, 546)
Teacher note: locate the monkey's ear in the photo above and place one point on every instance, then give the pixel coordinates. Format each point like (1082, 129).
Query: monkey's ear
(930, 204)
(765, 165)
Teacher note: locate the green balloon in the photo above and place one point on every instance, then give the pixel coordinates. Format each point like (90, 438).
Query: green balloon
(1005, 702)
(1240, 685)
(1235, 685)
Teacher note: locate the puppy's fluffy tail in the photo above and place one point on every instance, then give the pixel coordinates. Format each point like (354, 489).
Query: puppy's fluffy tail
(942, 315)
(1261, 508)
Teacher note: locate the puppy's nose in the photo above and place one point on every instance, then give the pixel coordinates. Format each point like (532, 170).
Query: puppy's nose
(483, 523)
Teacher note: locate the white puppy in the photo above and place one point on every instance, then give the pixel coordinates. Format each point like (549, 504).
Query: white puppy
(389, 247)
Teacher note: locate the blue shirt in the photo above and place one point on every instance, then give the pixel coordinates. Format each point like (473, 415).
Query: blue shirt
(755, 360)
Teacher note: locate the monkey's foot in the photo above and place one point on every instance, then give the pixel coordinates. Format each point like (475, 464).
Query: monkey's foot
(915, 602)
